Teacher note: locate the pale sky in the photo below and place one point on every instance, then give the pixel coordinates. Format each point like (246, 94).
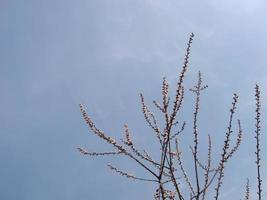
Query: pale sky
(55, 54)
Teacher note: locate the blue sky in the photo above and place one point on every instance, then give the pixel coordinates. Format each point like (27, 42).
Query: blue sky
(102, 53)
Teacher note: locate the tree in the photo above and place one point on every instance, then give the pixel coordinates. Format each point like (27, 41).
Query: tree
(166, 171)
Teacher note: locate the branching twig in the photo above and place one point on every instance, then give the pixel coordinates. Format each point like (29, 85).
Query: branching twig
(257, 137)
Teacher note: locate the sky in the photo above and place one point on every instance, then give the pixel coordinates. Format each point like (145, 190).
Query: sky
(55, 54)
